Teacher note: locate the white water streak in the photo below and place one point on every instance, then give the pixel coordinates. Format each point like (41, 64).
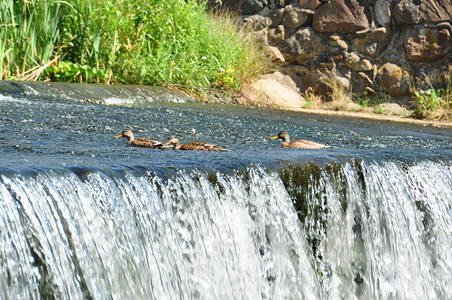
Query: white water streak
(393, 241)
(122, 236)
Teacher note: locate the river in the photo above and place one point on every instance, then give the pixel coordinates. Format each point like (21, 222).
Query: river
(83, 216)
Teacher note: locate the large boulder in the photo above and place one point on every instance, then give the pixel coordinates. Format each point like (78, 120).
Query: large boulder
(427, 44)
(342, 16)
(272, 90)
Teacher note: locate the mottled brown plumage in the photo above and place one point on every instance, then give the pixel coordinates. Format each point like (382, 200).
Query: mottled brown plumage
(198, 146)
(284, 135)
(140, 142)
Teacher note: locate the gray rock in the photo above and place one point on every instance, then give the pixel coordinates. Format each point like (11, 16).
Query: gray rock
(250, 7)
(293, 17)
(276, 16)
(382, 12)
(304, 46)
(407, 12)
(276, 35)
(257, 22)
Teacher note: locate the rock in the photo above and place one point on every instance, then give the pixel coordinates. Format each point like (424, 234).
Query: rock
(257, 22)
(436, 10)
(317, 83)
(293, 17)
(373, 43)
(276, 35)
(363, 65)
(274, 89)
(407, 12)
(250, 7)
(304, 46)
(427, 44)
(337, 42)
(309, 4)
(275, 54)
(362, 84)
(390, 78)
(276, 16)
(352, 60)
(394, 109)
(344, 16)
(342, 82)
(382, 12)
(277, 3)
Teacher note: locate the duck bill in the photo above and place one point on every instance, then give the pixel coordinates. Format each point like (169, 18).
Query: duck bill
(167, 145)
(118, 136)
(275, 137)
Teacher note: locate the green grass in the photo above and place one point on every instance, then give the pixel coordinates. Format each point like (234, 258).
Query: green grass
(434, 103)
(152, 42)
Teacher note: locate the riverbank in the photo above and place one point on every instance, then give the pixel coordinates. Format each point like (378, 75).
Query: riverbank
(278, 91)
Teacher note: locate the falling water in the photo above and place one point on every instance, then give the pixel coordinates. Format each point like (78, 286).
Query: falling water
(378, 231)
(366, 230)
(130, 235)
(82, 216)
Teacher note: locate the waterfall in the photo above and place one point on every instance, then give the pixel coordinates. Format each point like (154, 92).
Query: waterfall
(378, 231)
(348, 230)
(125, 234)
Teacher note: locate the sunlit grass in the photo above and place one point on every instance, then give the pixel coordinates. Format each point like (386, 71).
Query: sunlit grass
(153, 42)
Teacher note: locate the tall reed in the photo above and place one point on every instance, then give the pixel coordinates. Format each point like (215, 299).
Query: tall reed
(29, 34)
(124, 41)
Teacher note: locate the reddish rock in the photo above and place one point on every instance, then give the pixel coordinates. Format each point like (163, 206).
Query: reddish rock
(309, 4)
(344, 16)
(426, 44)
(436, 10)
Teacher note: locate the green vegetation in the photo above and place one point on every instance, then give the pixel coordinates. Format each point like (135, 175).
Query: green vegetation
(434, 103)
(149, 42)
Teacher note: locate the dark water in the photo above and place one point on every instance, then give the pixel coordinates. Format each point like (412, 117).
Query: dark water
(83, 216)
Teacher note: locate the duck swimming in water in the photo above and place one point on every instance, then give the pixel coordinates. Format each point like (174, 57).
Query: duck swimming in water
(284, 135)
(140, 142)
(198, 146)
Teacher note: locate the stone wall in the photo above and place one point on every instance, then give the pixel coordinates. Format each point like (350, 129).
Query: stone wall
(369, 46)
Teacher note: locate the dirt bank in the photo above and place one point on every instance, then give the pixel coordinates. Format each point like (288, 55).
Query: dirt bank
(279, 91)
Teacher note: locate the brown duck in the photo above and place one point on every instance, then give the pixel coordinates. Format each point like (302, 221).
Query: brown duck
(198, 146)
(284, 135)
(140, 142)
